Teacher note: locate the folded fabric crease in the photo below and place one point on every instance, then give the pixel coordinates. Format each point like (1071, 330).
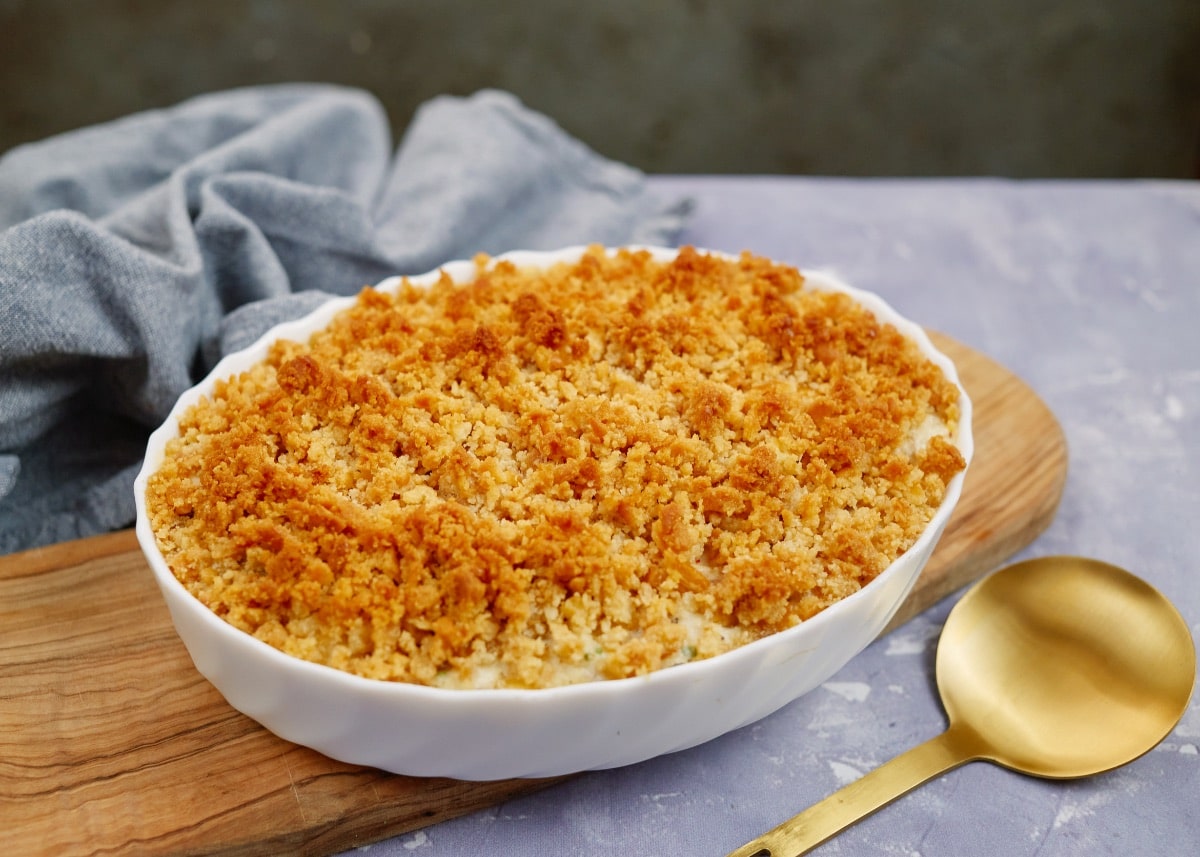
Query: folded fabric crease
(134, 254)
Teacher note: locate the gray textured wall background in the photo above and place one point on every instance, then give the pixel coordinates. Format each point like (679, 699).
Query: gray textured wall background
(1107, 88)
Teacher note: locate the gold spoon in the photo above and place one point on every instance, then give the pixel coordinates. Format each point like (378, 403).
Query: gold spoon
(1055, 667)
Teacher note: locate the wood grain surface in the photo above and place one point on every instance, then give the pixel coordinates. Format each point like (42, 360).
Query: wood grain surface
(112, 743)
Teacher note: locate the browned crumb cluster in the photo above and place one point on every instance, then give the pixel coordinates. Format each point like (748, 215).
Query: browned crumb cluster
(545, 477)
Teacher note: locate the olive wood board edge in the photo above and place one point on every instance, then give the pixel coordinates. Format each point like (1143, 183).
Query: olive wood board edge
(112, 743)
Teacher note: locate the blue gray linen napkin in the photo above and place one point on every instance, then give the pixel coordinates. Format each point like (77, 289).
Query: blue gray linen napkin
(135, 253)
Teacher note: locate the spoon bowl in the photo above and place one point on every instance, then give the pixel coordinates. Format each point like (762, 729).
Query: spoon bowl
(1065, 667)
(1056, 667)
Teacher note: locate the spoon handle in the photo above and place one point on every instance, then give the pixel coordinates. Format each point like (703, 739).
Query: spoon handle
(860, 798)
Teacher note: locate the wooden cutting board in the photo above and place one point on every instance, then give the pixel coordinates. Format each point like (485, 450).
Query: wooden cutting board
(112, 743)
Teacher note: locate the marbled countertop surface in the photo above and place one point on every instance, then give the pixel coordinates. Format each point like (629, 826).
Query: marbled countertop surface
(1090, 292)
